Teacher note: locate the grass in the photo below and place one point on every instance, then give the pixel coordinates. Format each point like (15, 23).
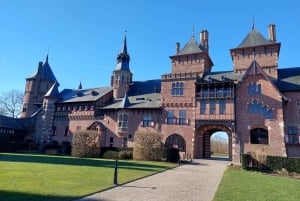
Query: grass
(252, 186)
(56, 178)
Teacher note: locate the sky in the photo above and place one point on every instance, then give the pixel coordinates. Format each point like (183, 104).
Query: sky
(84, 37)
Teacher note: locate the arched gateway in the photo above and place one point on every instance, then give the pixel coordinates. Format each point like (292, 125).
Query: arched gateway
(202, 139)
(176, 141)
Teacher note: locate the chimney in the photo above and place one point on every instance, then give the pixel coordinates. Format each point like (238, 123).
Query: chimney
(204, 40)
(272, 33)
(40, 66)
(177, 48)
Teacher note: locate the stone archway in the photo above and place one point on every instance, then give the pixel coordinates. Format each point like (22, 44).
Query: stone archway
(176, 141)
(202, 139)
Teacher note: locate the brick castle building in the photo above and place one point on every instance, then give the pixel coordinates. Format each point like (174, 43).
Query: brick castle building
(256, 103)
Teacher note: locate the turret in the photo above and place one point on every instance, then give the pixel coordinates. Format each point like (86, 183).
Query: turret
(121, 77)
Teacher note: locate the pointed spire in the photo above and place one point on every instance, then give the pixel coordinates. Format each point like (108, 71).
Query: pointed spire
(46, 59)
(123, 57)
(124, 51)
(253, 24)
(193, 33)
(80, 85)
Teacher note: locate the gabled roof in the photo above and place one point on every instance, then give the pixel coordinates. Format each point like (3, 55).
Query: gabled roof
(83, 95)
(254, 38)
(190, 47)
(95, 124)
(255, 69)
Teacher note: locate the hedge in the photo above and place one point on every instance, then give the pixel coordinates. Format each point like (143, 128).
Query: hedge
(277, 163)
(273, 163)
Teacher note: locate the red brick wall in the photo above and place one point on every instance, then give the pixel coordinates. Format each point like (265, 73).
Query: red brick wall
(246, 121)
(267, 58)
(291, 114)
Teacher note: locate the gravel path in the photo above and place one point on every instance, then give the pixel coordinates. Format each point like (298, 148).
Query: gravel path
(190, 182)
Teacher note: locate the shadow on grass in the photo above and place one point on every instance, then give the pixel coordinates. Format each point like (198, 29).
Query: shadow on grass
(65, 160)
(14, 196)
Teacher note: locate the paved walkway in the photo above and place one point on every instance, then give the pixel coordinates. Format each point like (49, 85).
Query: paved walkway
(192, 182)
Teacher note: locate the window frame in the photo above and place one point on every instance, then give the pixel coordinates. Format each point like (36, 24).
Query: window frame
(177, 89)
(122, 120)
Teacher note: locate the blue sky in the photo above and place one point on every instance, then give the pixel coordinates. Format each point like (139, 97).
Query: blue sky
(83, 37)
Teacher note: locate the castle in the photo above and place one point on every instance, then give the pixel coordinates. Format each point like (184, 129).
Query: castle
(256, 103)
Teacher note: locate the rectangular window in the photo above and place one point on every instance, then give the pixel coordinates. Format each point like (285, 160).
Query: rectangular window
(123, 120)
(66, 131)
(292, 135)
(78, 128)
(182, 117)
(222, 106)
(212, 105)
(177, 89)
(202, 106)
(254, 89)
(147, 121)
(171, 118)
(25, 107)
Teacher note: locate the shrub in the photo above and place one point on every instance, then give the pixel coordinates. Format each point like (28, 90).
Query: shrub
(148, 146)
(111, 154)
(86, 143)
(245, 161)
(125, 155)
(278, 163)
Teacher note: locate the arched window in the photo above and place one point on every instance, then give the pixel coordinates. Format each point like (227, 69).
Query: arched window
(259, 136)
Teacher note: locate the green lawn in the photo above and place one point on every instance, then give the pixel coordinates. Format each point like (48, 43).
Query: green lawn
(42, 178)
(252, 186)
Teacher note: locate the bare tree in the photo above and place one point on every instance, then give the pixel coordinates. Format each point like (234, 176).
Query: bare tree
(11, 103)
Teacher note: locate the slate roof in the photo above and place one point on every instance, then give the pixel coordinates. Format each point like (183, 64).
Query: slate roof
(123, 58)
(190, 47)
(288, 79)
(141, 94)
(83, 95)
(254, 38)
(223, 76)
(17, 123)
(45, 72)
(53, 91)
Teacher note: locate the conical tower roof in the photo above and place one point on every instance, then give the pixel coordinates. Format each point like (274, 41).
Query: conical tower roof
(123, 58)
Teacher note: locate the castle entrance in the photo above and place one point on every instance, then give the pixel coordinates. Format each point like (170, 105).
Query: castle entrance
(204, 138)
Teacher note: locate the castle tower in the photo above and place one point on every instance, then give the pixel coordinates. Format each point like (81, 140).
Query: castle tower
(121, 77)
(178, 90)
(192, 57)
(45, 129)
(256, 47)
(36, 87)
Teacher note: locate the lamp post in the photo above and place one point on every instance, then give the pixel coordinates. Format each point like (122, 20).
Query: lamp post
(116, 173)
